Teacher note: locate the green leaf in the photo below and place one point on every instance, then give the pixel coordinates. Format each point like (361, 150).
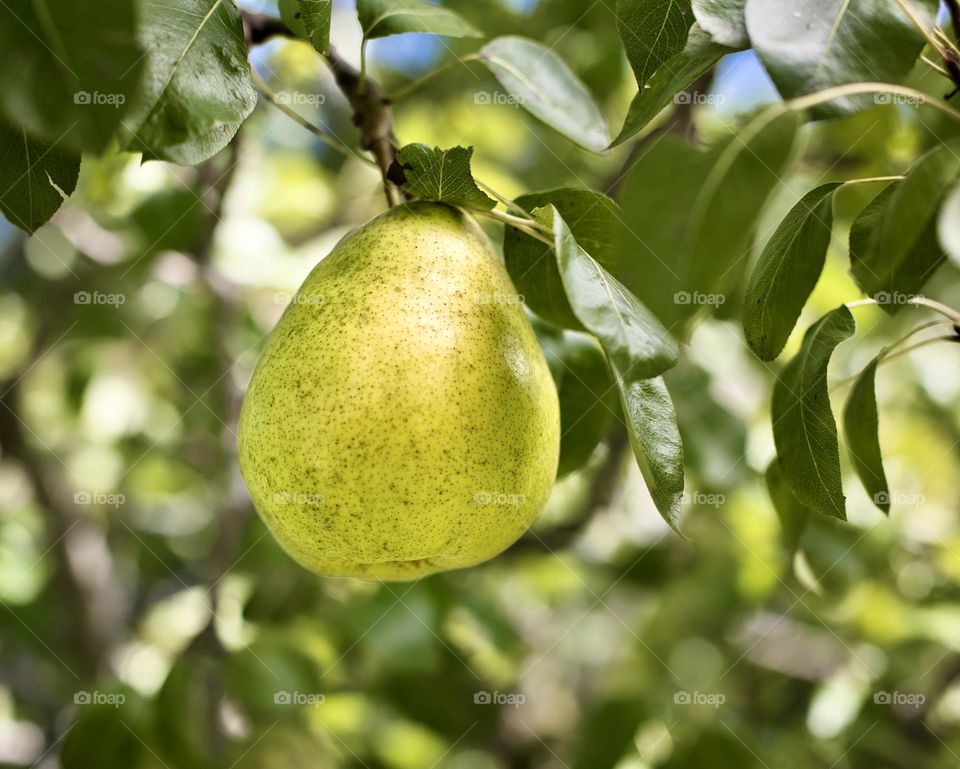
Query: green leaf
(107, 726)
(543, 85)
(723, 20)
(380, 18)
(595, 221)
(588, 400)
(655, 439)
(804, 429)
(432, 173)
(787, 271)
(690, 215)
(186, 713)
(633, 339)
(652, 31)
(666, 85)
(31, 172)
(793, 515)
(264, 676)
(811, 45)
(291, 15)
(315, 16)
(861, 427)
(893, 242)
(73, 69)
(197, 89)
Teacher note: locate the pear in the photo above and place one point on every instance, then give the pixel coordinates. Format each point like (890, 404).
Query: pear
(402, 419)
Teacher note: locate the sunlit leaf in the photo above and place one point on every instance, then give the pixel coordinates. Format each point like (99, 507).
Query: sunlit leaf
(595, 221)
(197, 88)
(432, 173)
(787, 271)
(655, 439)
(792, 515)
(31, 172)
(315, 15)
(652, 32)
(669, 82)
(893, 243)
(380, 18)
(543, 85)
(861, 428)
(634, 340)
(811, 45)
(804, 428)
(723, 20)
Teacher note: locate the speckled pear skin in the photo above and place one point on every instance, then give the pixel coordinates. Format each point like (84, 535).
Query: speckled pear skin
(402, 419)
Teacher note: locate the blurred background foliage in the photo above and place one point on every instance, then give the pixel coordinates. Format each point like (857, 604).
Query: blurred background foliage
(147, 619)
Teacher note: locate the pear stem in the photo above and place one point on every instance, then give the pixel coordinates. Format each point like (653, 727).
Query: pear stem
(530, 227)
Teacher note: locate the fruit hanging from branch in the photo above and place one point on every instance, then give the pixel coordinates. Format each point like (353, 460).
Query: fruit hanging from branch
(402, 419)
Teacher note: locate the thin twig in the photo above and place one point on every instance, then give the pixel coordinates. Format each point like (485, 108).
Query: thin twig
(927, 60)
(945, 310)
(924, 343)
(530, 227)
(510, 204)
(329, 139)
(890, 352)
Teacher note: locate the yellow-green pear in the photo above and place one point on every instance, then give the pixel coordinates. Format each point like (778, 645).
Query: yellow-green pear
(402, 419)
